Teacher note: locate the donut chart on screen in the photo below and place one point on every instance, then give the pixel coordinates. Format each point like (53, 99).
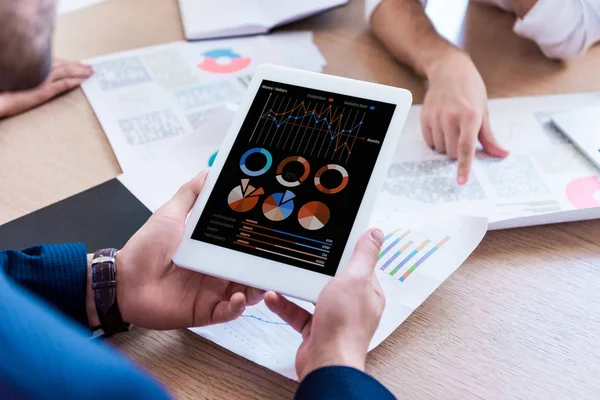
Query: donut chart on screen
(258, 172)
(313, 215)
(584, 192)
(279, 206)
(298, 181)
(333, 167)
(223, 61)
(244, 197)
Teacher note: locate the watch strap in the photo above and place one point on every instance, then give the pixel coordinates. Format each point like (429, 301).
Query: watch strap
(104, 286)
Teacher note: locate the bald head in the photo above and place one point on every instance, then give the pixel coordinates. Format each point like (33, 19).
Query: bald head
(25, 43)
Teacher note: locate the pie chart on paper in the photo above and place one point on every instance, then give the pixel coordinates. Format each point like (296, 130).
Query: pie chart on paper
(313, 215)
(245, 197)
(279, 206)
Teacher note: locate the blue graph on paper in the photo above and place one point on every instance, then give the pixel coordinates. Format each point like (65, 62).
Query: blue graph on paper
(266, 321)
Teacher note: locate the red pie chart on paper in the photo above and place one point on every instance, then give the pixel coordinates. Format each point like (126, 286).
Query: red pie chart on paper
(245, 197)
(313, 215)
(584, 192)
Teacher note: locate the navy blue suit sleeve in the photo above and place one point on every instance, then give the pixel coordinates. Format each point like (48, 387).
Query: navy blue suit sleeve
(331, 383)
(47, 356)
(56, 273)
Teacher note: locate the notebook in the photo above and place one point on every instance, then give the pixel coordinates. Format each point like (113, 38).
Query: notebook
(106, 215)
(205, 19)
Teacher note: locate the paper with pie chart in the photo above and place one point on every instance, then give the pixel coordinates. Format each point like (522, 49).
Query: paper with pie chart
(245, 197)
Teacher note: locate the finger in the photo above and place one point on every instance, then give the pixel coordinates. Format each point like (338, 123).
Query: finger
(366, 253)
(55, 88)
(439, 143)
(451, 135)
(294, 315)
(467, 144)
(253, 295)
(182, 202)
(488, 141)
(426, 129)
(70, 69)
(226, 311)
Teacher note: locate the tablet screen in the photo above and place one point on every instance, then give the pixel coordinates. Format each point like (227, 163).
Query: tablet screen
(294, 180)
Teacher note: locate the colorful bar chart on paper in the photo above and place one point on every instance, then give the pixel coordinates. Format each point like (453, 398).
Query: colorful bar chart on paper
(402, 254)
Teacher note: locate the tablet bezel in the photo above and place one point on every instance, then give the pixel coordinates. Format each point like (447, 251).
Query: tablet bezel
(261, 272)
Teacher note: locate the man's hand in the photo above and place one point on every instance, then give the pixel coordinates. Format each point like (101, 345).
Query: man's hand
(454, 114)
(64, 76)
(155, 293)
(346, 315)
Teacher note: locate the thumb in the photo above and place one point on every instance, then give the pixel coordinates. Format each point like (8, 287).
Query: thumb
(488, 141)
(366, 253)
(182, 202)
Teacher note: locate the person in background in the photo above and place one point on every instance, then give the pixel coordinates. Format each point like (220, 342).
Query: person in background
(51, 298)
(454, 114)
(28, 76)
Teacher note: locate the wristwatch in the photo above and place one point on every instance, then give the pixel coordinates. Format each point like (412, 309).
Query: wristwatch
(104, 285)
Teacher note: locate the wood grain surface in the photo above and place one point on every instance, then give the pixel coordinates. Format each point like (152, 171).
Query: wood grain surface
(521, 318)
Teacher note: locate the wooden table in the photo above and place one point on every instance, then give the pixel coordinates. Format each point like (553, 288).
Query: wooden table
(521, 318)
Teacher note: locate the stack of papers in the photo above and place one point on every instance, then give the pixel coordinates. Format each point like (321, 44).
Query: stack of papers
(206, 19)
(544, 180)
(152, 98)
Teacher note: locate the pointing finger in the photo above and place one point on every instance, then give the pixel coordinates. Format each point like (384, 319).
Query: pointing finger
(467, 143)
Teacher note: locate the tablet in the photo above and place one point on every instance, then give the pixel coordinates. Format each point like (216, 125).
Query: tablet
(295, 181)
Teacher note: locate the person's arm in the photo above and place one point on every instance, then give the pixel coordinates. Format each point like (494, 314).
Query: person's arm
(343, 383)
(331, 359)
(560, 35)
(56, 273)
(454, 115)
(25, 39)
(45, 356)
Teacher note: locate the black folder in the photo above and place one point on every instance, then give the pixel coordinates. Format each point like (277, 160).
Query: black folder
(106, 215)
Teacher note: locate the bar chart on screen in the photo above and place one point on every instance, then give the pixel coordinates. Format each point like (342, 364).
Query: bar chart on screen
(316, 128)
(404, 251)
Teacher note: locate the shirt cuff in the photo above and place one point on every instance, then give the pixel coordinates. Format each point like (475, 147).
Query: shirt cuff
(562, 29)
(341, 383)
(56, 273)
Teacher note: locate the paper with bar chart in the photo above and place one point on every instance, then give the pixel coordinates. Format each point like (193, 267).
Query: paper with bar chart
(544, 179)
(414, 260)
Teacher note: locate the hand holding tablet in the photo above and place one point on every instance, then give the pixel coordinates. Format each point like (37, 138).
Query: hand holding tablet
(294, 183)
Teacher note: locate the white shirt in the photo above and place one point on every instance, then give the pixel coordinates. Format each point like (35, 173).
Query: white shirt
(562, 29)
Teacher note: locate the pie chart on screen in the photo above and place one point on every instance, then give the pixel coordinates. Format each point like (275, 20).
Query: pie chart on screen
(279, 206)
(584, 192)
(313, 215)
(245, 197)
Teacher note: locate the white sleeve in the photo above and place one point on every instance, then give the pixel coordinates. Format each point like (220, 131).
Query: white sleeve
(371, 5)
(562, 29)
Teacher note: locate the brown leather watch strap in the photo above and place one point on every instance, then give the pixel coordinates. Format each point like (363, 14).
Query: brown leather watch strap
(104, 285)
